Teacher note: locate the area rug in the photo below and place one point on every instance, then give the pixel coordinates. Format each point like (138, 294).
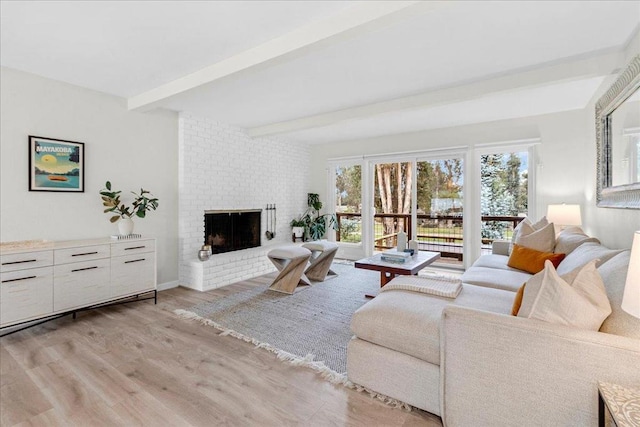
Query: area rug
(309, 328)
(311, 323)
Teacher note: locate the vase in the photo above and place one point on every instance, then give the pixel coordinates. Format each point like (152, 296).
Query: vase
(125, 226)
(298, 231)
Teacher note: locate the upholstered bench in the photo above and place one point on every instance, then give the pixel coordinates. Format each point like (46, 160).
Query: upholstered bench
(322, 254)
(291, 261)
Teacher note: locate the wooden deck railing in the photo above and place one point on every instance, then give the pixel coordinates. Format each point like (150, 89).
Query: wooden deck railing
(446, 237)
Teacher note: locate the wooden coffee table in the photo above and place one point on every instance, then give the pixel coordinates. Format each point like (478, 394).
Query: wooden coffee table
(389, 270)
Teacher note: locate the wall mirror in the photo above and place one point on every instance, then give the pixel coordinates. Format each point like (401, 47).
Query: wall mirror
(618, 141)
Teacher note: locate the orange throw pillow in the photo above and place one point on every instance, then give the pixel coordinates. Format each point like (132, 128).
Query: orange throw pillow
(530, 260)
(517, 302)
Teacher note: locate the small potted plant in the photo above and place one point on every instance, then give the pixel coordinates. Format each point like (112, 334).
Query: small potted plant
(297, 227)
(142, 203)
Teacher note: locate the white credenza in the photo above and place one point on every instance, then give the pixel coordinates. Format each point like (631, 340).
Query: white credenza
(46, 279)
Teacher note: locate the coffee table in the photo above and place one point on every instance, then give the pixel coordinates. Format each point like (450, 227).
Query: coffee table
(389, 270)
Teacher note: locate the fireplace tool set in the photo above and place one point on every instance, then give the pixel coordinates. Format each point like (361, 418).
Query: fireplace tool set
(271, 222)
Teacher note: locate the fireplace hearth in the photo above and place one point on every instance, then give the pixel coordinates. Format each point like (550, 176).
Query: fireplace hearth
(227, 231)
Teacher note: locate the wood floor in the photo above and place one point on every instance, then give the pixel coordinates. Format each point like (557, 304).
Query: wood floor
(138, 364)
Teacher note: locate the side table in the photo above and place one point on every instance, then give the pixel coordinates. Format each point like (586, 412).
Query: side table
(623, 404)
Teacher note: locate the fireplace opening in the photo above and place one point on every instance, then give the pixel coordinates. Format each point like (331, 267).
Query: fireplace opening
(227, 231)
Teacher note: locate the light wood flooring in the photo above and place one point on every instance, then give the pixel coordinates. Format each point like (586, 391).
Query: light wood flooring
(138, 364)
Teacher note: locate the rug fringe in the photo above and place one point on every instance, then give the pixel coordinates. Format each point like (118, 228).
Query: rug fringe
(307, 361)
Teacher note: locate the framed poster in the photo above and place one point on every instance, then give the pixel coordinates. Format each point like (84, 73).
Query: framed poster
(55, 165)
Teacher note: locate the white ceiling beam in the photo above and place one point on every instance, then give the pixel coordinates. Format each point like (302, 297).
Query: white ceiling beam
(568, 71)
(355, 20)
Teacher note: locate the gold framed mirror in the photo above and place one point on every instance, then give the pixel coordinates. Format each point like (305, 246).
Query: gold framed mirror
(618, 141)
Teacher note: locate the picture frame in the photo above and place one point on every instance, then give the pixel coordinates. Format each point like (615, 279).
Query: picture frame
(56, 165)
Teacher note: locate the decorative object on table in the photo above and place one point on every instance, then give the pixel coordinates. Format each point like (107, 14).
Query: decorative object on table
(56, 165)
(271, 222)
(395, 256)
(142, 203)
(413, 245)
(409, 251)
(315, 225)
(402, 241)
(631, 296)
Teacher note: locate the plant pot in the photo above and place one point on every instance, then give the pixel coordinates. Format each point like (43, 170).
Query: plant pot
(125, 226)
(298, 231)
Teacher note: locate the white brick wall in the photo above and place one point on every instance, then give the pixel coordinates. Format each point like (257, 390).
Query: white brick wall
(221, 167)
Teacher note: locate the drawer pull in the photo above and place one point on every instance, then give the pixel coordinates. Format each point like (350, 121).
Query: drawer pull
(83, 269)
(134, 247)
(86, 253)
(22, 278)
(135, 260)
(19, 262)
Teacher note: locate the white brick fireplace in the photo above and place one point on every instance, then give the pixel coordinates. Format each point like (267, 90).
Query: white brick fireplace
(222, 168)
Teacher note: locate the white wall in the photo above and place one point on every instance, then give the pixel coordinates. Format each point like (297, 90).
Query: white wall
(566, 156)
(131, 149)
(222, 168)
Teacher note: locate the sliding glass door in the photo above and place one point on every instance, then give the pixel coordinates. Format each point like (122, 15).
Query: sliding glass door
(393, 203)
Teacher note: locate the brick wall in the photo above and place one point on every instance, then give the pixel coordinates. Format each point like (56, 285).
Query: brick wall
(221, 167)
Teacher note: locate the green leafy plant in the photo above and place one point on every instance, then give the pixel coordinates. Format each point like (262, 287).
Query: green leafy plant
(142, 203)
(315, 225)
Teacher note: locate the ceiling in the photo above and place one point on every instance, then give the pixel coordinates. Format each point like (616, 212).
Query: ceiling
(325, 71)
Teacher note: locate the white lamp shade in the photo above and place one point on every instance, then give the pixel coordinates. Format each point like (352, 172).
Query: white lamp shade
(564, 215)
(631, 297)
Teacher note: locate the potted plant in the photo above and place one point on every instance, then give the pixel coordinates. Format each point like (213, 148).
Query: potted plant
(315, 225)
(297, 227)
(142, 203)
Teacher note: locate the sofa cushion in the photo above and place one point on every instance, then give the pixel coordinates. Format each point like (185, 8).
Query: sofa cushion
(585, 253)
(528, 224)
(570, 238)
(509, 280)
(614, 275)
(494, 261)
(530, 260)
(543, 239)
(409, 322)
(578, 299)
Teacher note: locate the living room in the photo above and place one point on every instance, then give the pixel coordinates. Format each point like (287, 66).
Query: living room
(254, 105)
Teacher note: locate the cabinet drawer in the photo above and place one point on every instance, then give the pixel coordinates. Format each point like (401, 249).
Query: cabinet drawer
(81, 284)
(26, 294)
(13, 262)
(84, 253)
(133, 247)
(133, 273)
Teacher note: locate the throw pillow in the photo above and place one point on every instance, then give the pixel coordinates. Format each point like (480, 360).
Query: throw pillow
(531, 260)
(516, 231)
(517, 302)
(543, 239)
(581, 301)
(570, 238)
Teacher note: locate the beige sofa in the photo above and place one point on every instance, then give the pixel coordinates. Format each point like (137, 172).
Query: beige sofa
(471, 362)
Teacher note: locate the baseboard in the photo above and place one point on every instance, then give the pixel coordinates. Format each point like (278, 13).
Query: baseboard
(168, 285)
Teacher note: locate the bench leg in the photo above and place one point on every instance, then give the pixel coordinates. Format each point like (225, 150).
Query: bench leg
(291, 274)
(320, 266)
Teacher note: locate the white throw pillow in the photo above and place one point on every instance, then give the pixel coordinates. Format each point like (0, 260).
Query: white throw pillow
(526, 223)
(576, 299)
(570, 238)
(543, 239)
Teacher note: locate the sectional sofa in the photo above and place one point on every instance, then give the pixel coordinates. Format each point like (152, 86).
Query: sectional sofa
(473, 363)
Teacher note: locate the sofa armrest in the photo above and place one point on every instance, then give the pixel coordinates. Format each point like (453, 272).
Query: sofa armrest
(500, 370)
(500, 247)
